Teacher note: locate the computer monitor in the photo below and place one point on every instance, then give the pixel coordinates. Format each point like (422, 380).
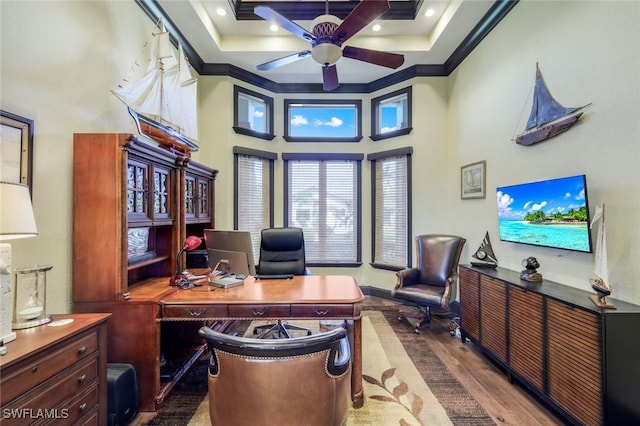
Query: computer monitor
(235, 245)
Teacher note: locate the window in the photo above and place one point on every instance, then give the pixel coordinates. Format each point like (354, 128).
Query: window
(391, 205)
(322, 196)
(252, 114)
(253, 192)
(322, 120)
(391, 115)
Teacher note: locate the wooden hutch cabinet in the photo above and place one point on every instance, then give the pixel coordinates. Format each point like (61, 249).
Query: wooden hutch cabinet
(580, 359)
(134, 203)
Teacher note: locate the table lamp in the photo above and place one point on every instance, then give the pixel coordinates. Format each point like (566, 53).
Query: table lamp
(179, 279)
(16, 221)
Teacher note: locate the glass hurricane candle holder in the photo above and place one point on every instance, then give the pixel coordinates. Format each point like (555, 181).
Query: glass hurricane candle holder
(29, 298)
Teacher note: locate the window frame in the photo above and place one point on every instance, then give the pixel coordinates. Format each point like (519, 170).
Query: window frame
(239, 151)
(373, 158)
(376, 104)
(357, 158)
(357, 103)
(268, 106)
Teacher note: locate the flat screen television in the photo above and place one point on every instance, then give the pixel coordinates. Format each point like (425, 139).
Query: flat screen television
(549, 213)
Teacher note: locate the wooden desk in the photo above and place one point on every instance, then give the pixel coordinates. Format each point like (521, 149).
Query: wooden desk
(303, 297)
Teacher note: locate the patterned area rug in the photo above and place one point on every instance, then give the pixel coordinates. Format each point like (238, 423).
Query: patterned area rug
(405, 383)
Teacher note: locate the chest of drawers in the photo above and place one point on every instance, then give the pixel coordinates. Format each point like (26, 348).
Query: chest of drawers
(56, 372)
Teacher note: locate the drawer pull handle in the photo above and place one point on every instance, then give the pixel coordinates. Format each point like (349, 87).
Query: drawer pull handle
(321, 312)
(196, 313)
(82, 379)
(82, 350)
(259, 312)
(34, 369)
(82, 407)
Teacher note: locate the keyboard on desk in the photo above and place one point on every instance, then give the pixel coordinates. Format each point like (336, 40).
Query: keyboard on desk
(226, 282)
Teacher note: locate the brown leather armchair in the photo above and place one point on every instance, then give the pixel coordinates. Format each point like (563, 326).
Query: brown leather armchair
(433, 282)
(302, 380)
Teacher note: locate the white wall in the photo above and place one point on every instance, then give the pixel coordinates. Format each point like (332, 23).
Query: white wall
(59, 60)
(588, 52)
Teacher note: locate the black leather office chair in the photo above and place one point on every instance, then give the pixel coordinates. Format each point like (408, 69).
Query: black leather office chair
(433, 282)
(281, 253)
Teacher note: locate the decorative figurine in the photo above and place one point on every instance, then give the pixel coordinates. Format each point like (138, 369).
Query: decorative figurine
(600, 281)
(485, 255)
(530, 273)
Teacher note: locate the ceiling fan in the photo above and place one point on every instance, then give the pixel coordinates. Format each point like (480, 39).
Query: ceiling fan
(328, 35)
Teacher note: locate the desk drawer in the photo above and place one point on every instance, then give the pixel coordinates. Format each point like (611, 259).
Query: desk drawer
(195, 311)
(260, 311)
(321, 311)
(47, 365)
(82, 405)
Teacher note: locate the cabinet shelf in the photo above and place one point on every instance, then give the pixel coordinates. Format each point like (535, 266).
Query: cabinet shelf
(147, 262)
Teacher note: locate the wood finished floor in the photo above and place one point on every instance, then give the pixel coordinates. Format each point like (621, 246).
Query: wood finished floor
(506, 403)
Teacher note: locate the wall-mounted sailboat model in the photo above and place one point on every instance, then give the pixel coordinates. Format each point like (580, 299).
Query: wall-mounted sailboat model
(548, 117)
(163, 101)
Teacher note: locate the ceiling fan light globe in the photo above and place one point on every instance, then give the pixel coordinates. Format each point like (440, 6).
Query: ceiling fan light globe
(325, 25)
(326, 53)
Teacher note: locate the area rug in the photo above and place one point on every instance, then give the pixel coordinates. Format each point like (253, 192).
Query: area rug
(405, 383)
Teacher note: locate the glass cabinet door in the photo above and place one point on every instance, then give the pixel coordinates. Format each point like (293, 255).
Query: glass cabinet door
(137, 191)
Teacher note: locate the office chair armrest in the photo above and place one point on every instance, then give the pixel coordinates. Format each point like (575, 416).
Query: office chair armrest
(340, 360)
(407, 277)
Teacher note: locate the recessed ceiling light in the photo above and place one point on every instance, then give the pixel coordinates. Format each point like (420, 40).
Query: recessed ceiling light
(376, 27)
(221, 12)
(274, 27)
(429, 12)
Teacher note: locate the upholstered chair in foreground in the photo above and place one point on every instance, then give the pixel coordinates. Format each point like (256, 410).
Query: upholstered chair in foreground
(432, 283)
(298, 381)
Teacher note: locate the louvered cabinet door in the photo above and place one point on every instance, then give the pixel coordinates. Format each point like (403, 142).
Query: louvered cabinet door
(526, 335)
(575, 361)
(469, 304)
(493, 311)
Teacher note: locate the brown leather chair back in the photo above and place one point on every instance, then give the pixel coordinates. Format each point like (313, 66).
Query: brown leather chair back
(302, 380)
(438, 257)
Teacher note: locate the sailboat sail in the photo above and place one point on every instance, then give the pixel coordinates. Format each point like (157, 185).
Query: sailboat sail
(548, 117)
(545, 108)
(167, 93)
(601, 270)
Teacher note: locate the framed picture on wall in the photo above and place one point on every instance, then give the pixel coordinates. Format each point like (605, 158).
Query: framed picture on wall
(472, 180)
(16, 149)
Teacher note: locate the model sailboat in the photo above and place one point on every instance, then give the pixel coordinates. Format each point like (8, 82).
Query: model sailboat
(485, 256)
(600, 281)
(548, 117)
(163, 102)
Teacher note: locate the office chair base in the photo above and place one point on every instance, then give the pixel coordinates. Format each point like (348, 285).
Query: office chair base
(422, 314)
(280, 329)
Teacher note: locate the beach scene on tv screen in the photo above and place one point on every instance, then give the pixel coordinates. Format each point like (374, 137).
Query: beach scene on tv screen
(550, 213)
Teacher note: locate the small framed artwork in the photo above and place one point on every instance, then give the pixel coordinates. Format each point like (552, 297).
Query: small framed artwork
(16, 149)
(472, 180)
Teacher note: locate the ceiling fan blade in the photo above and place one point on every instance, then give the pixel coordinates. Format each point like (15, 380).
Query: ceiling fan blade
(361, 16)
(269, 14)
(283, 61)
(385, 59)
(330, 77)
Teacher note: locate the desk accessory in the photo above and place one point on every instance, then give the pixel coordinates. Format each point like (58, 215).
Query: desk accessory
(600, 281)
(16, 221)
(530, 273)
(180, 279)
(485, 255)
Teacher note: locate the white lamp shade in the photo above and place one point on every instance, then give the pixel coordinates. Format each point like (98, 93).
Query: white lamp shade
(16, 212)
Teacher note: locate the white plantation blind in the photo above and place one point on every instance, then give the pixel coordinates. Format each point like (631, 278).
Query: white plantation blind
(323, 198)
(392, 208)
(254, 192)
